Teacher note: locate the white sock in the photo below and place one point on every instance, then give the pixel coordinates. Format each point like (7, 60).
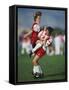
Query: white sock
(36, 47)
(37, 69)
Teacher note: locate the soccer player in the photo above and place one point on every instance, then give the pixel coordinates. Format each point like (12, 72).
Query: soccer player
(35, 28)
(40, 50)
(45, 38)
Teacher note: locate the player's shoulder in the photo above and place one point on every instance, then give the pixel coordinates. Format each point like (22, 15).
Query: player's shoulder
(36, 25)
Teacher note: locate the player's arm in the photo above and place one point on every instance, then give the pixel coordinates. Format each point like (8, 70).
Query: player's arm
(48, 42)
(29, 33)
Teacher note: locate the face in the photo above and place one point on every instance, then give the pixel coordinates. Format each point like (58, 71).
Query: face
(47, 31)
(38, 19)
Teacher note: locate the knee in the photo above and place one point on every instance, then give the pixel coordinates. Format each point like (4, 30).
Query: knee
(34, 62)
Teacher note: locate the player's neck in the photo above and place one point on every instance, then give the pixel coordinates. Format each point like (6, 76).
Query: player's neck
(36, 22)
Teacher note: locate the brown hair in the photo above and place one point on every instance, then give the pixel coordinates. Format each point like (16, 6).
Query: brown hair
(37, 14)
(50, 29)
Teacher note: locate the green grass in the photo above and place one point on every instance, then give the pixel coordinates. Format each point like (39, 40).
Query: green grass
(52, 66)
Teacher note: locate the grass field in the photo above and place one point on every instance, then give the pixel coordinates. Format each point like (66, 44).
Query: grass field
(52, 66)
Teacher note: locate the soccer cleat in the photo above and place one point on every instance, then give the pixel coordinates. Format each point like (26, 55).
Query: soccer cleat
(37, 75)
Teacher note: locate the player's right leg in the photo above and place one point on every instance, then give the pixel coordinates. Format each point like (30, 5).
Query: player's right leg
(37, 71)
(36, 67)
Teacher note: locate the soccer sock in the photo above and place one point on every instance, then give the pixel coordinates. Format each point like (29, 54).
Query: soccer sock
(36, 47)
(37, 69)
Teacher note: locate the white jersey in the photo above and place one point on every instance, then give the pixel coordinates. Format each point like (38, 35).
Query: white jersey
(43, 35)
(48, 42)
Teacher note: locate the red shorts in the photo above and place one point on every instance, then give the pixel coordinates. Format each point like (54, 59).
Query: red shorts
(40, 52)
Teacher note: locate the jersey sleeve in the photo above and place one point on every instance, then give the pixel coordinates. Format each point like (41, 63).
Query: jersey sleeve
(36, 28)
